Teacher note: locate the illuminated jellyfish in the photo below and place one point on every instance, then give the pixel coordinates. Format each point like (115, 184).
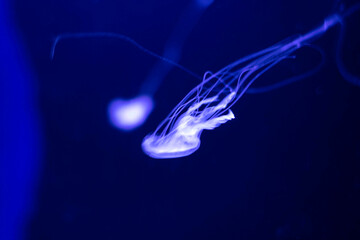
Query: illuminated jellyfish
(128, 114)
(207, 106)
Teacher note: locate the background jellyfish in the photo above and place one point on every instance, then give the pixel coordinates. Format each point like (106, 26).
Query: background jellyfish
(208, 105)
(128, 114)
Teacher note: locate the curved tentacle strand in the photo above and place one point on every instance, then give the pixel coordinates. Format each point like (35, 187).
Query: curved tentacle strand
(206, 107)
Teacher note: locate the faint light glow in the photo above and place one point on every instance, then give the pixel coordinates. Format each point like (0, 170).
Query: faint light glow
(204, 3)
(129, 114)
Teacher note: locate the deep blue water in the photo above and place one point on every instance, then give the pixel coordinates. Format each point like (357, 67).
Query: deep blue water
(288, 166)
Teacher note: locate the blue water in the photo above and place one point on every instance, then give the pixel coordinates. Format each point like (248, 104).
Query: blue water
(288, 166)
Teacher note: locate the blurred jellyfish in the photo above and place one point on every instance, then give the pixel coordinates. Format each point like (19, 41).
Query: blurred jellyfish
(134, 115)
(128, 114)
(207, 106)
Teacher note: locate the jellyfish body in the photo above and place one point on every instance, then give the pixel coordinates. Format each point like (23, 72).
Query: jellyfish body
(185, 138)
(207, 106)
(130, 114)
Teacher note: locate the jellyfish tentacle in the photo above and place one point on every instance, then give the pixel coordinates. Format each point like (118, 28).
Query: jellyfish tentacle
(349, 77)
(291, 80)
(198, 105)
(119, 36)
(206, 108)
(350, 11)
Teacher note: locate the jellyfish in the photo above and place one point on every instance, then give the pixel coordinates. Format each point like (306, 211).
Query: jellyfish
(208, 105)
(129, 114)
(132, 113)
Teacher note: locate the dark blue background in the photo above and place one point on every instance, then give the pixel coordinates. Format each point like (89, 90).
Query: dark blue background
(288, 166)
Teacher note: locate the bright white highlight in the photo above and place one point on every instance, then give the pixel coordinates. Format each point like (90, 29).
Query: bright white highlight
(185, 139)
(130, 114)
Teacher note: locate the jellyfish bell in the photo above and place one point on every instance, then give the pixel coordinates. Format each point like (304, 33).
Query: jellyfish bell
(174, 145)
(183, 138)
(129, 114)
